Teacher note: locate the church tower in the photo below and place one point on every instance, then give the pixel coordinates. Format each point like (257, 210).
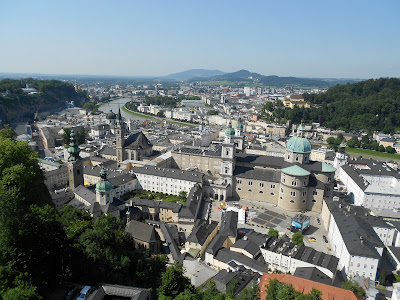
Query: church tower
(75, 166)
(120, 137)
(239, 138)
(104, 189)
(340, 158)
(228, 158)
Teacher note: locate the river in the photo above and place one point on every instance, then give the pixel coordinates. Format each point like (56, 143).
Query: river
(113, 105)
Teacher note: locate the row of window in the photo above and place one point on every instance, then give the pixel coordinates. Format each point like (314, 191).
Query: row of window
(239, 181)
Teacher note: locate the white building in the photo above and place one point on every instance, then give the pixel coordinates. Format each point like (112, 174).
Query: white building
(282, 255)
(355, 239)
(165, 180)
(372, 184)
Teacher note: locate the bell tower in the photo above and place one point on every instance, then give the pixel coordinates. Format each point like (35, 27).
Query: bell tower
(120, 137)
(228, 158)
(75, 166)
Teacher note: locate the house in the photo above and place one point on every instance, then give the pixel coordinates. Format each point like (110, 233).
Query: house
(120, 292)
(305, 286)
(144, 236)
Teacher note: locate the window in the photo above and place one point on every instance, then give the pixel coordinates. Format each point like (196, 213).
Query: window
(314, 200)
(314, 193)
(272, 194)
(281, 190)
(239, 189)
(249, 190)
(328, 189)
(292, 193)
(365, 266)
(294, 183)
(261, 192)
(261, 184)
(297, 158)
(250, 182)
(329, 179)
(272, 186)
(291, 201)
(304, 193)
(239, 181)
(358, 265)
(227, 152)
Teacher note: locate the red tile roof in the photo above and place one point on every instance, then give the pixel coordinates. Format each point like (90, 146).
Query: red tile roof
(305, 286)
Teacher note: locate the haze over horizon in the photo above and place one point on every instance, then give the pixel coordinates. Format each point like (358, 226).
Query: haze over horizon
(356, 39)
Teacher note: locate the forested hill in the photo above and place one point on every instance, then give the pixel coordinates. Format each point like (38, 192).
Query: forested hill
(15, 105)
(371, 105)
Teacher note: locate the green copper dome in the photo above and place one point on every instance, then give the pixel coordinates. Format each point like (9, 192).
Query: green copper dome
(298, 145)
(239, 124)
(229, 130)
(104, 184)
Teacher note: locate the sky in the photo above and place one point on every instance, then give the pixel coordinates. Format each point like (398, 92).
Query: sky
(329, 39)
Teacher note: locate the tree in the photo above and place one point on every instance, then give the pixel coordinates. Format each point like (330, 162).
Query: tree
(80, 136)
(7, 132)
(161, 114)
(374, 146)
(340, 136)
(173, 282)
(253, 292)
(331, 140)
(354, 287)
(390, 149)
(297, 238)
(273, 232)
(280, 290)
(365, 139)
(212, 112)
(381, 148)
(382, 277)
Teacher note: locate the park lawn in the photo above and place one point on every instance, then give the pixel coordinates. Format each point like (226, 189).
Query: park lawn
(137, 114)
(372, 152)
(180, 123)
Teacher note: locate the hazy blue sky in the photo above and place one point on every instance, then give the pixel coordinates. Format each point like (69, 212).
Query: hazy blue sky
(288, 38)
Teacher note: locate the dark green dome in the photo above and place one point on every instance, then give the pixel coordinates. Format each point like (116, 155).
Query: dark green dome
(298, 144)
(104, 184)
(229, 131)
(239, 124)
(111, 115)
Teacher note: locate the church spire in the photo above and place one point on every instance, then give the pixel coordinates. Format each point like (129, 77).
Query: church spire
(73, 149)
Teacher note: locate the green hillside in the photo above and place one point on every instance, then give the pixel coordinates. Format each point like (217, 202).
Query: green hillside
(370, 105)
(15, 105)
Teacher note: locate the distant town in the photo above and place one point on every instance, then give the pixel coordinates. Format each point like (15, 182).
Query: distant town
(209, 175)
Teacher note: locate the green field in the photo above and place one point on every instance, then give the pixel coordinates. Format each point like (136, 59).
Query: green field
(137, 114)
(371, 153)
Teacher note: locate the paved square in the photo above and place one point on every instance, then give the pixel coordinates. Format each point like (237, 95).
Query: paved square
(269, 218)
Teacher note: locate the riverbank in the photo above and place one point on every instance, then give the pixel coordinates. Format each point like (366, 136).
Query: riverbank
(156, 118)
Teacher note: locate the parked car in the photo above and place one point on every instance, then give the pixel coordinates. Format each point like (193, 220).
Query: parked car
(325, 239)
(71, 293)
(85, 292)
(312, 239)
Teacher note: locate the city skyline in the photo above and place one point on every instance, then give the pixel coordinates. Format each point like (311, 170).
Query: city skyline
(309, 39)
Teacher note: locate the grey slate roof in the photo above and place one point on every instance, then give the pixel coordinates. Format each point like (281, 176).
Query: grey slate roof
(216, 244)
(193, 201)
(313, 274)
(121, 292)
(258, 174)
(198, 151)
(247, 245)
(137, 141)
(142, 232)
(201, 231)
(85, 193)
(229, 221)
(226, 256)
(170, 173)
(303, 253)
(175, 207)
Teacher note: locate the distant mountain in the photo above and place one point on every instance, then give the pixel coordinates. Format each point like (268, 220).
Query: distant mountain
(244, 76)
(237, 76)
(194, 73)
